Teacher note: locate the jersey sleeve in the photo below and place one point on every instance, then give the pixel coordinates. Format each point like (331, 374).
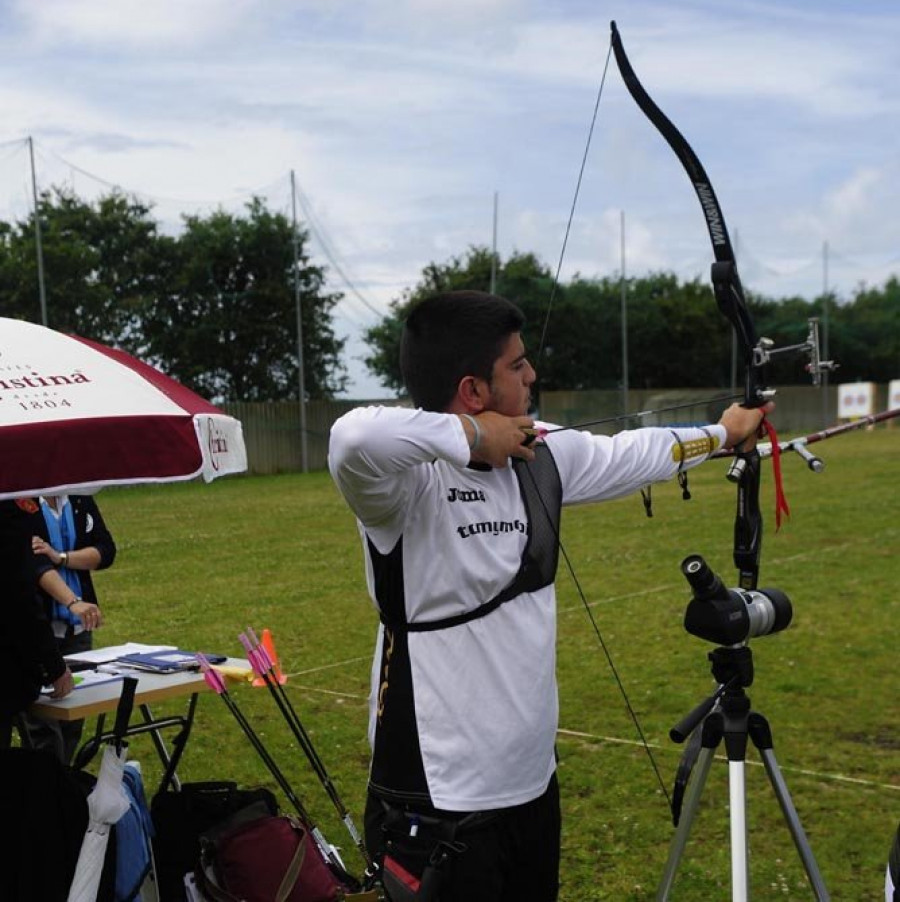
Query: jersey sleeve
(378, 457)
(603, 467)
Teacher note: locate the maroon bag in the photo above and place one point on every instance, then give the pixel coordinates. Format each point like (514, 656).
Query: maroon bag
(268, 859)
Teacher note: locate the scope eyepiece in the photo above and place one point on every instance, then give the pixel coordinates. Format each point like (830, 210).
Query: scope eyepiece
(702, 578)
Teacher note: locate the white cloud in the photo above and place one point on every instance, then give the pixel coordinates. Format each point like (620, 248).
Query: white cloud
(128, 24)
(402, 119)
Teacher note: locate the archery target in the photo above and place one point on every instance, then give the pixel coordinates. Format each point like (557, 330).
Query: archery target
(856, 399)
(893, 394)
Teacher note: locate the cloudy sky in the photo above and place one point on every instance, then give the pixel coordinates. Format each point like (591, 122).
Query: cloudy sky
(402, 119)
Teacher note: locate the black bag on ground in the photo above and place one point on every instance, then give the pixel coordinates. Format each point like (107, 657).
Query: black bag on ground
(180, 818)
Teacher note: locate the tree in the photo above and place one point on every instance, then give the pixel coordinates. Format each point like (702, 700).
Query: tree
(100, 261)
(226, 324)
(522, 278)
(676, 336)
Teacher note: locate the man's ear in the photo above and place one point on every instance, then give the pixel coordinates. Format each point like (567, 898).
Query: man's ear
(473, 392)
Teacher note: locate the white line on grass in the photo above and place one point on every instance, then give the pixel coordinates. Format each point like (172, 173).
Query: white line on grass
(839, 778)
(616, 740)
(297, 673)
(668, 587)
(610, 600)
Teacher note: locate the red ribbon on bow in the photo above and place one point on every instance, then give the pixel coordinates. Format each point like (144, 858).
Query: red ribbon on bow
(781, 505)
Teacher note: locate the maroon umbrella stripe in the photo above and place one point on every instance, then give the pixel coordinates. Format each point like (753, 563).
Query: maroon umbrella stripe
(101, 452)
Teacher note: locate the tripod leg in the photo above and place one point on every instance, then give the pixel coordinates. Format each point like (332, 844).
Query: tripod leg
(737, 812)
(688, 812)
(794, 825)
(761, 735)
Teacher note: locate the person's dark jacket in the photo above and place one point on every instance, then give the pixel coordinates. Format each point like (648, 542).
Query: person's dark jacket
(29, 657)
(90, 531)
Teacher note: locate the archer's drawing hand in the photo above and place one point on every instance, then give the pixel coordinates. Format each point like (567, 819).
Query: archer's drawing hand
(743, 425)
(501, 439)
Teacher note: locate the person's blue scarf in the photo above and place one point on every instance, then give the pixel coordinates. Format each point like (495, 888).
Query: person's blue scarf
(61, 533)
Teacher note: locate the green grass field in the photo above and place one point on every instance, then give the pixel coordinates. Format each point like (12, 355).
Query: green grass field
(197, 564)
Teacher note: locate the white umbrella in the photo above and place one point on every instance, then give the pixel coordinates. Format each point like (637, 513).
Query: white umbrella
(106, 804)
(76, 416)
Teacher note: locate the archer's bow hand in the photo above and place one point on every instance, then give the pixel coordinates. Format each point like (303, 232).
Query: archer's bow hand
(743, 424)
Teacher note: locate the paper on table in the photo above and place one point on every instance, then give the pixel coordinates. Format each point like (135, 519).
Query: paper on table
(114, 652)
(86, 679)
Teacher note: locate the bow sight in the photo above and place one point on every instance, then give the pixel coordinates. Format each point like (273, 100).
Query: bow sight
(765, 350)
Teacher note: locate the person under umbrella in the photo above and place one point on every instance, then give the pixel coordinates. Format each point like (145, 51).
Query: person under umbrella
(29, 657)
(71, 541)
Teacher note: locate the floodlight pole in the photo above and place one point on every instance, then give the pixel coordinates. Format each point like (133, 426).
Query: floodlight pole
(824, 387)
(494, 249)
(301, 385)
(624, 305)
(42, 292)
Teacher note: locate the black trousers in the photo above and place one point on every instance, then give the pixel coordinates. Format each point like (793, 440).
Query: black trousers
(512, 857)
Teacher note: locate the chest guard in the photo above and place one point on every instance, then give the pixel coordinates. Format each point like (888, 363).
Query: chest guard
(541, 491)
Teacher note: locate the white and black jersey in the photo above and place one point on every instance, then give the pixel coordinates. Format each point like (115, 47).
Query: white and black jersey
(892, 874)
(464, 717)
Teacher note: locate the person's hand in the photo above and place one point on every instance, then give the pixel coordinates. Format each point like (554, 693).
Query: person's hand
(743, 424)
(88, 613)
(63, 685)
(39, 546)
(501, 438)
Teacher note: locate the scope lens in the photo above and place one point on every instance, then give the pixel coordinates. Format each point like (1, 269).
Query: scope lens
(769, 611)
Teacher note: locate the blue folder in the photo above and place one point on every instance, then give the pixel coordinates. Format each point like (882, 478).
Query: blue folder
(168, 661)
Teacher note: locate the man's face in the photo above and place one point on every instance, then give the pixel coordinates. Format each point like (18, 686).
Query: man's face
(511, 380)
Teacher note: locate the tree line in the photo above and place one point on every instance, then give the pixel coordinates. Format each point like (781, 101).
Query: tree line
(214, 307)
(677, 338)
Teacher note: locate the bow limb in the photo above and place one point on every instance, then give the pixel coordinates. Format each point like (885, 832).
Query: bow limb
(732, 303)
(726, 283)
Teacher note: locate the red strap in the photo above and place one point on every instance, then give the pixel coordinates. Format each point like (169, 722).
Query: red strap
(781, 504)
(410, 881)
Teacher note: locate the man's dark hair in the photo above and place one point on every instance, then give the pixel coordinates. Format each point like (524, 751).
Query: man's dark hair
(452, 335)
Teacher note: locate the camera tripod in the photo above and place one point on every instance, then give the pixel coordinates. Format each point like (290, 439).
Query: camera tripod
(727, 716)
